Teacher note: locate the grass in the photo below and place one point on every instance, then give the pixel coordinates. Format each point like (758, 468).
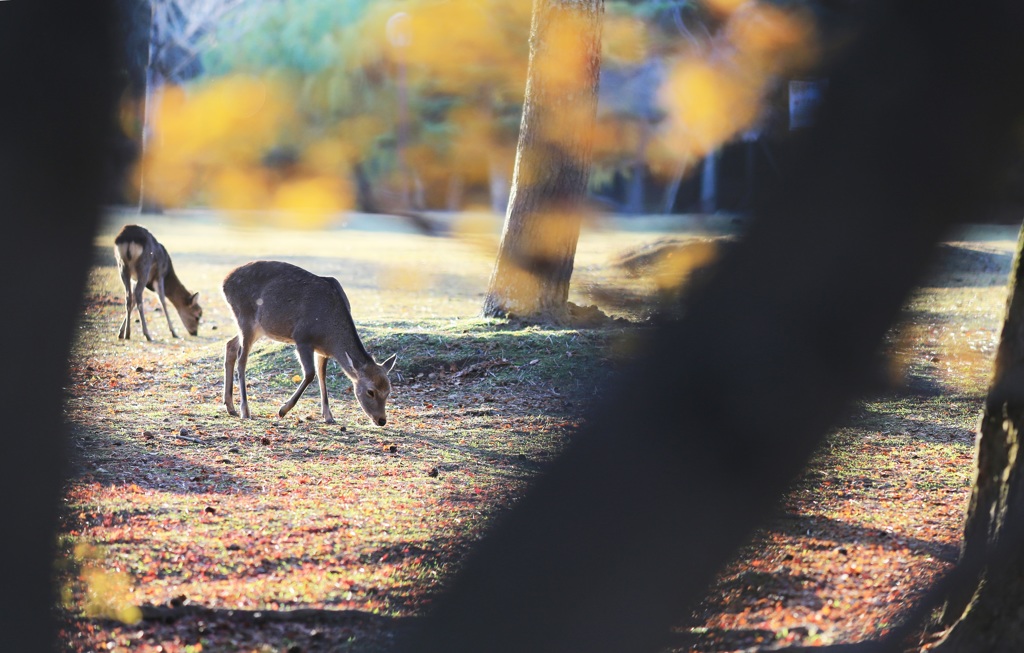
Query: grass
(177, 503)
(174, 505)
(877, 516)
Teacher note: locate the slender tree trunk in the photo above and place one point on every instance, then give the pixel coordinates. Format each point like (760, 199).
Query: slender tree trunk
(154, 85)
(709, 183)
(454, 195)
(538, 243)
(988, 615)
(638, 172)
(672, 189)
(498, 184)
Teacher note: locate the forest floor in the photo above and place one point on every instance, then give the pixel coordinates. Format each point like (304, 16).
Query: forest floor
(188, 530)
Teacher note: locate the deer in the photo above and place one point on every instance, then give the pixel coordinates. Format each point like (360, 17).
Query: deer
(289, 304)
(142, 258)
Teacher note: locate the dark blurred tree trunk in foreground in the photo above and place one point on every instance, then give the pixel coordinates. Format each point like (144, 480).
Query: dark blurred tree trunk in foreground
(57, 70)
(538, 243)
(986, 615)
(698, 437)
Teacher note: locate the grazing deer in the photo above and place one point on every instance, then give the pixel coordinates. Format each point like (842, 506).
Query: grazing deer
(289, 304)
(141, 257)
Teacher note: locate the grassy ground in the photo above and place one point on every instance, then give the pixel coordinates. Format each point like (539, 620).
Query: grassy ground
(220, 529)
(878, 514)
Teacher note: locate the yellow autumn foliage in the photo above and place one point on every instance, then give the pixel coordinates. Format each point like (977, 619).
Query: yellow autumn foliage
(108, 594)
(771, 38)
(624, 40)
(716, 93)
(211, 141)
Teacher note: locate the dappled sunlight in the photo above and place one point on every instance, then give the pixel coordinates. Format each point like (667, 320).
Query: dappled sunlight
(958, 357)
(194, 508)
(197, 509)
(867, 527)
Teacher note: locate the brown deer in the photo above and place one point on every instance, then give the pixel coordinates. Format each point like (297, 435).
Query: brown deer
(289, 304)
(141, 257)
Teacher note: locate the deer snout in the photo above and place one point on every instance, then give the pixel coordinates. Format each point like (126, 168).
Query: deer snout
(381, 421)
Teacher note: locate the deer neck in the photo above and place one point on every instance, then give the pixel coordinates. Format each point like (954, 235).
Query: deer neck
(353, 349)
(175, 290)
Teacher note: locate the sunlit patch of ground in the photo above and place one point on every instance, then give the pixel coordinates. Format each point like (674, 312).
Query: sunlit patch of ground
(230, 525)
(192, 509)
(878, 515)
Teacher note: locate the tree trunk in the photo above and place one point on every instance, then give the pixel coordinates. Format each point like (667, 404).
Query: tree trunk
(638, 172)
(672, 189)
(498, 184)
(154, 85)
(699, 435)
(709, 183)
(538, 243)
(987, 615)
(57, 127)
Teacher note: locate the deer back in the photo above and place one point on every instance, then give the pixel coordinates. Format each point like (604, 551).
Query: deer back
(289, 304)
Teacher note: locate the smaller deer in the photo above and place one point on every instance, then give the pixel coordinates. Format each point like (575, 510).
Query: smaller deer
(141, 257)
(289, 304)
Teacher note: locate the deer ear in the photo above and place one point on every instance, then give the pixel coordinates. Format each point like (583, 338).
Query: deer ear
(195, 297)
(389, 363)
(348, 358)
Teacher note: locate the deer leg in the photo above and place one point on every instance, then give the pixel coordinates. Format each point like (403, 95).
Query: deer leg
(245, 343)
(230, 357)
(305, 353)
(140, 287)
(125, 332)
(321, 376)
(163, 303)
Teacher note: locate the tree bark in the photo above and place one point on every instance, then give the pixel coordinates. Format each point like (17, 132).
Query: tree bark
(538, 242)
(57, 127)
(987, 615)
